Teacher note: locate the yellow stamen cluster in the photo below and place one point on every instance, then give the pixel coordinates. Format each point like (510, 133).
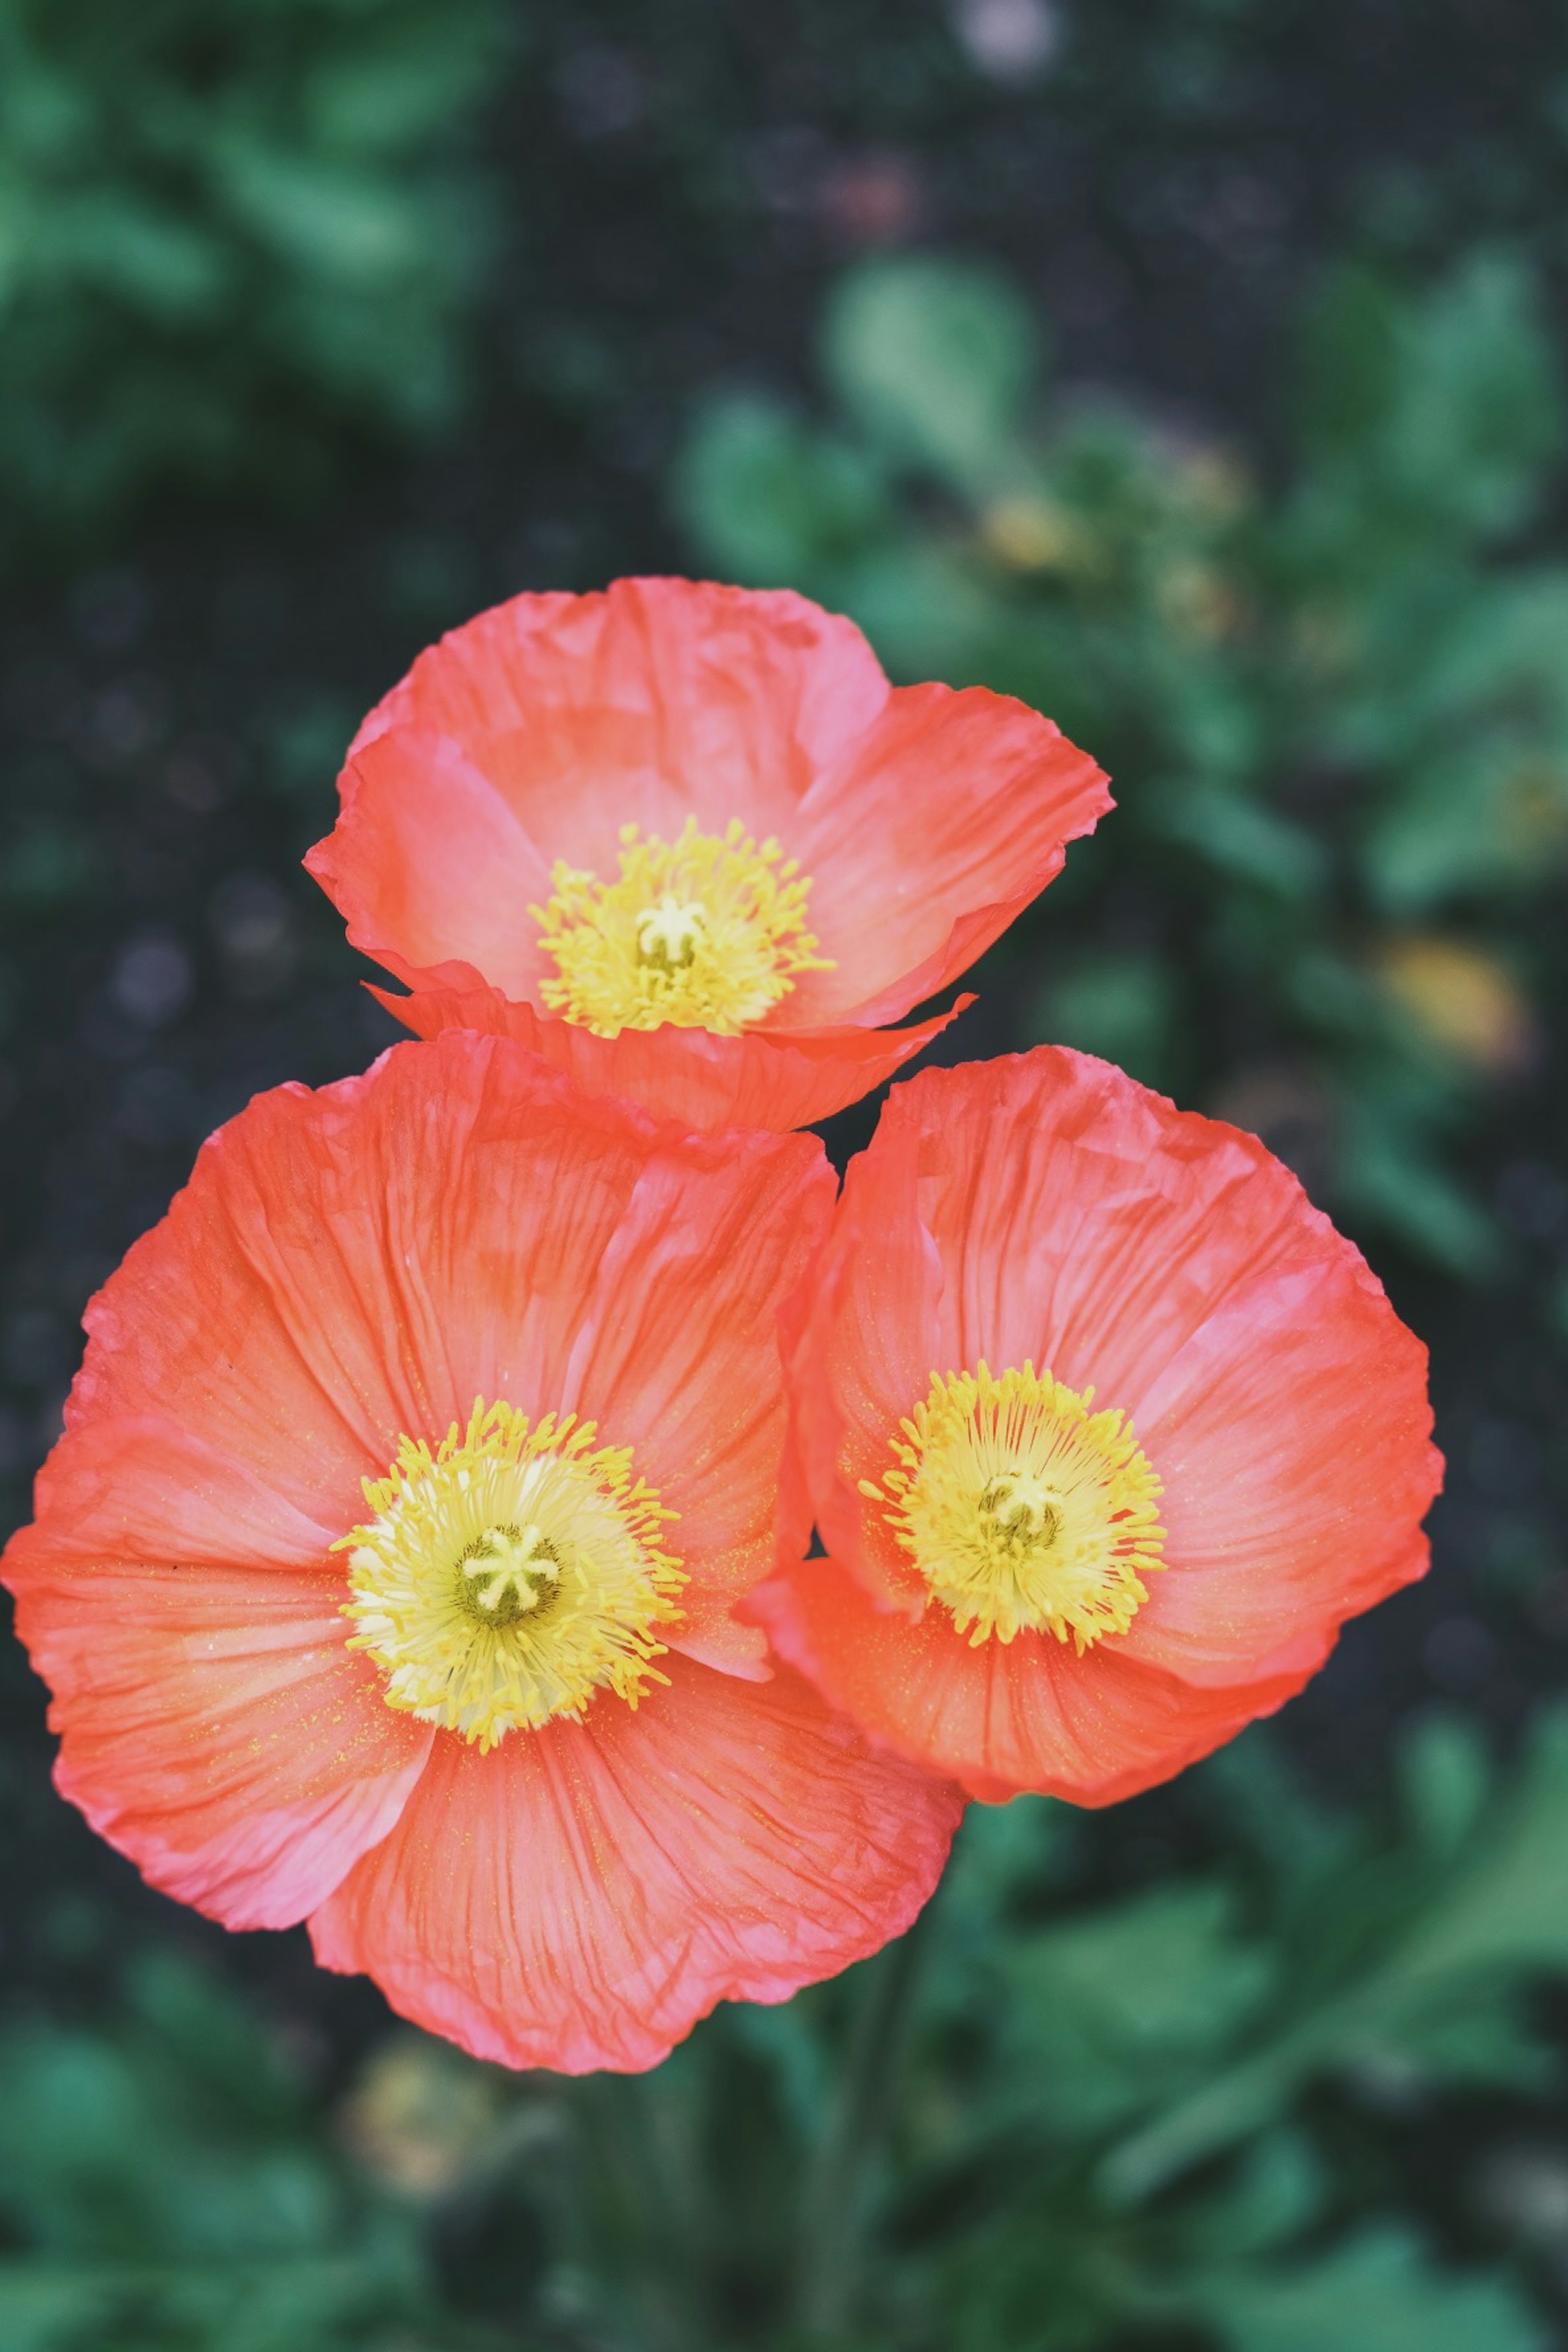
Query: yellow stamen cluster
(1022, 1509)
(705, 932)
(503, 1579)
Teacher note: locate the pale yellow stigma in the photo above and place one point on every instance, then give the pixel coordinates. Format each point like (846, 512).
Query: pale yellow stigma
(1022, 1509)
(506, 1577)
(705, 932)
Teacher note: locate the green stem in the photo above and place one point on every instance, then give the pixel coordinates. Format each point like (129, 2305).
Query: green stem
(838, 2188)
(649, 2247)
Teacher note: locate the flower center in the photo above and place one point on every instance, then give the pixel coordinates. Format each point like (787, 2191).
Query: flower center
(705, 932)
(506, 1577)
(507, 1573)
(1022, 1509)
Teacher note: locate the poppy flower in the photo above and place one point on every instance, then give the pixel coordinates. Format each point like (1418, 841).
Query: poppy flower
(689, 843)
(1104, 1429)
(383, 1575)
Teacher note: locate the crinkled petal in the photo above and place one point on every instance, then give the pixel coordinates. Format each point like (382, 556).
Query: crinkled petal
(768, 1080)
(344, 1269)
(546, 724)
(580, 1897)
(1043, 1208)
(1174, 1265)
(216, 1727)
(950, 817)
(925, 820)
(1002, 1717)
(419, 894)
(686, 1367)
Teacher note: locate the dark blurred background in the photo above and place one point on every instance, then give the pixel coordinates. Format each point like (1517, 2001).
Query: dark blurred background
(1192, 368)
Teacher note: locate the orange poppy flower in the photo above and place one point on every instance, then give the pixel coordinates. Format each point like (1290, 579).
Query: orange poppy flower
(1105, 1430)
(686, 843)
(383, 1574)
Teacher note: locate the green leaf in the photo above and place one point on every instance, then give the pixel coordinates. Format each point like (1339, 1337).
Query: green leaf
(1480, 411)
(1507, 1907)
(164, 2184)
(1349, 363)
(225, 227)
(1444, 408)
(393, 98)
(1378, 2294)
(1388, 1179)
(1277, 2189)
(333, 220)
(45, 2308)
(1243, 838)
(1122, 1007)
(1124, 2005)
(935, 362)
(1271, 1807)
(1479, 794)
(771, 500)
(1445, 1777)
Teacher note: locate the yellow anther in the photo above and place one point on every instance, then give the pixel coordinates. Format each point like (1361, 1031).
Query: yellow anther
(1022, 1509)
(509, 1575)
(704, 932)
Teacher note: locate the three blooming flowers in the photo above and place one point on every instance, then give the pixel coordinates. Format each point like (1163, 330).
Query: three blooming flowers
(518, 1516)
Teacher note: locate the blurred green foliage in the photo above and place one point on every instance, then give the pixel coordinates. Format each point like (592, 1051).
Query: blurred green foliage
(1050, 2121)
(1333, 702)
(1158, 2113)
(224, 224)
(166, 2187)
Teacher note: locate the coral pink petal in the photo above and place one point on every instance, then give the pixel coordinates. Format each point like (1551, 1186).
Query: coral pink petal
(1292, 1434)
(579, 1897)
(861, 1357)
(345, 1267)
(247, 1365)
(562, 718)
(950, 818)
(363, 1262)
(923, 819)
(1172, 1265)
(685, 1368)
(566, 1254)
(350, 1267)
(417, 894)
(675, 688)
(215, 1728)
(1045, 1209)
(1002, 1717)
(767, 1078)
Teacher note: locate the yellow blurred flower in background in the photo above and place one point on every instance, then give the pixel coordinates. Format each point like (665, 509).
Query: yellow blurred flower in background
(1462, 997)
(421, 2117)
